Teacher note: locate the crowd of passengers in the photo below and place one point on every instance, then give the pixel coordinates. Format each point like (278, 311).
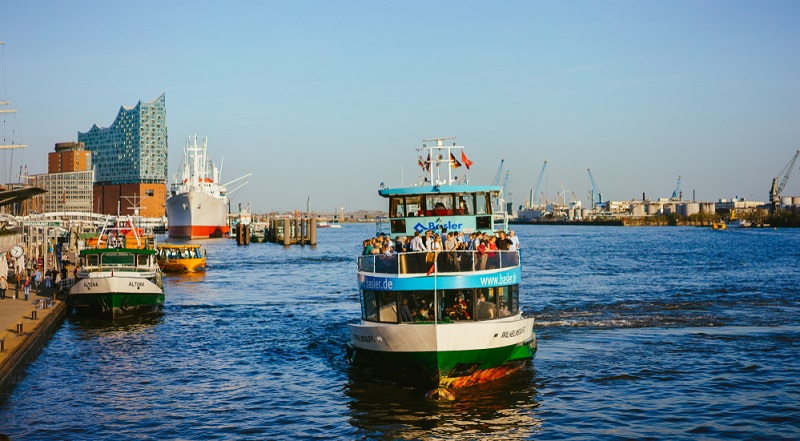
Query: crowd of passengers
(447, 241)
(418, 310)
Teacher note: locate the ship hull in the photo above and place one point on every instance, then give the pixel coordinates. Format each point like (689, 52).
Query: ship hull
(115, 297)
(196, 215)
(444, 355)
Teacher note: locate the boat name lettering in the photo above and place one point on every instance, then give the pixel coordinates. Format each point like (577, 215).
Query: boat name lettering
(90, 284)
(378, 284)
(364, 338)
(499, 280)
(136, 284)
(514, 333)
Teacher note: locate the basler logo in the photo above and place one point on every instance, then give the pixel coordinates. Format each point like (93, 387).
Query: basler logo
(437, 226)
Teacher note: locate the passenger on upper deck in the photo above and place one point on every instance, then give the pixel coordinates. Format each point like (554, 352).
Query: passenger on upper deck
(503, 243)
(514, 240)
(416, 243)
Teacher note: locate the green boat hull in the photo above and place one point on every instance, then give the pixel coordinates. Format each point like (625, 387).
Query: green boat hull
(449, 369)
(115, 305)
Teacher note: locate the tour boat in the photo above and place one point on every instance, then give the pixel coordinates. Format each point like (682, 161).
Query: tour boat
(118, 276)
(184, 258)
(467, 326)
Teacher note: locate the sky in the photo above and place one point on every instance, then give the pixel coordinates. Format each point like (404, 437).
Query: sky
(323, 101)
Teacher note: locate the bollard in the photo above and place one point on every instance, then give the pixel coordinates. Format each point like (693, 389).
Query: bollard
(33, 315)
(19, 327)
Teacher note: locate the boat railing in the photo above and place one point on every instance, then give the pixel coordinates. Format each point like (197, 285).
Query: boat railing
(422, 262)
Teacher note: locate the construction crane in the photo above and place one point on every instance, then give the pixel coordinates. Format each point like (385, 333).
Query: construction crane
(775, 191)
(677, 194)
(595, 191)
(499, 172)
(535, 193)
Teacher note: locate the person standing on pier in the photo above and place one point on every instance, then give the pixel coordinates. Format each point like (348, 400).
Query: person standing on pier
(27, 285)
(3, 276)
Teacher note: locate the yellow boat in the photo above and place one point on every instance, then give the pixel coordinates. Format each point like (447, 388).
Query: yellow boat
(187, 258)
(718, 225)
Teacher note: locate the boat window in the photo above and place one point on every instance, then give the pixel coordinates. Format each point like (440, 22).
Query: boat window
(369, 306)
(396, 207)
(439, 204)
(482, 205)
(486, 303)
(456, 304)
(466, 204)
(118, 259)
(92, 260)
(514, 307)
(420, 305)
(387, 306)
(414, 205)
(141, 260)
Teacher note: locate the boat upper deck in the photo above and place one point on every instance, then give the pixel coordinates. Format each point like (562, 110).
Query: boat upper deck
(441, 262)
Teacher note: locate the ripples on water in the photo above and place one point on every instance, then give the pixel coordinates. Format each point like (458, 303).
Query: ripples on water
(660, 333)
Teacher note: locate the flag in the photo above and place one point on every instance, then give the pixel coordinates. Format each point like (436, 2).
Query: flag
(464, 159)
(433, 267)
(453, 162)
(420, 163)
(428, 162)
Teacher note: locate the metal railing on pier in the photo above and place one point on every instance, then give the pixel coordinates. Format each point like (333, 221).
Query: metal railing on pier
(461, 261)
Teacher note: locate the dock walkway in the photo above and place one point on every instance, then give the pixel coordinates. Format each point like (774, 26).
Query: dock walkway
(38, 317)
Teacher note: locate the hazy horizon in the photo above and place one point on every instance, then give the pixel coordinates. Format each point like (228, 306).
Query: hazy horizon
(327, 100)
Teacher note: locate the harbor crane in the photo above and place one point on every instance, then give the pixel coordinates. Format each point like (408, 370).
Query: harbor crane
(677, 194)
(499, 172)
(775, 191)
(595, 191)
(535, 193)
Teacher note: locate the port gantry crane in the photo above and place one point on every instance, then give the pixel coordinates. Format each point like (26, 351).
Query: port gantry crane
(775, 191)
(535, 193)
(677, 194)
(595, 191)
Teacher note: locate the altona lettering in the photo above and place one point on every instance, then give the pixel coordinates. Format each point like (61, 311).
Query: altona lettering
(90, 284)
(136, 284)
(514, 333)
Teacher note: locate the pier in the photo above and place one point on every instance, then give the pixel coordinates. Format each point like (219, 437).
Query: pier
(293, 231)
(25, 327)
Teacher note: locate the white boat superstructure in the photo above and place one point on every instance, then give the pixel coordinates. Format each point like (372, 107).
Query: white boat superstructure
(198, 202)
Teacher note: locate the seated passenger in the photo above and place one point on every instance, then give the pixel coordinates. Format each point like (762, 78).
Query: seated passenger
(486, 310)
(460, 309)
(405, 312)
(422, 315)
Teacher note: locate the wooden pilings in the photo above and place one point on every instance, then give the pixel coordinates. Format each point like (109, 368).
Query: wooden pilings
(293, 231)
(242, 234)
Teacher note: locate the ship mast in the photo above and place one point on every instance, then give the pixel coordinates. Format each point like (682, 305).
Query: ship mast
(7, 111)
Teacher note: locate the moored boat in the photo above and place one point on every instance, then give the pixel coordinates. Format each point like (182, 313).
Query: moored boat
(117, 277)
(183, 258)
(198, 203)
(446, 319)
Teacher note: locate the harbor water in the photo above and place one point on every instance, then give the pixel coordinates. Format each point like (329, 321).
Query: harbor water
(649, 332)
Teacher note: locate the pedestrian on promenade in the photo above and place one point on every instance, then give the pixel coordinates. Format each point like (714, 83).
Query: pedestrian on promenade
(37, 279)
(27, 285)
(3, 276)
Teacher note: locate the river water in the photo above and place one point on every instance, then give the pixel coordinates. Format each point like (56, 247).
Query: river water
(650, 332)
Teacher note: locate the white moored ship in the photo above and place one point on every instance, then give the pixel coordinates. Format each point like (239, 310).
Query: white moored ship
(198, 203)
